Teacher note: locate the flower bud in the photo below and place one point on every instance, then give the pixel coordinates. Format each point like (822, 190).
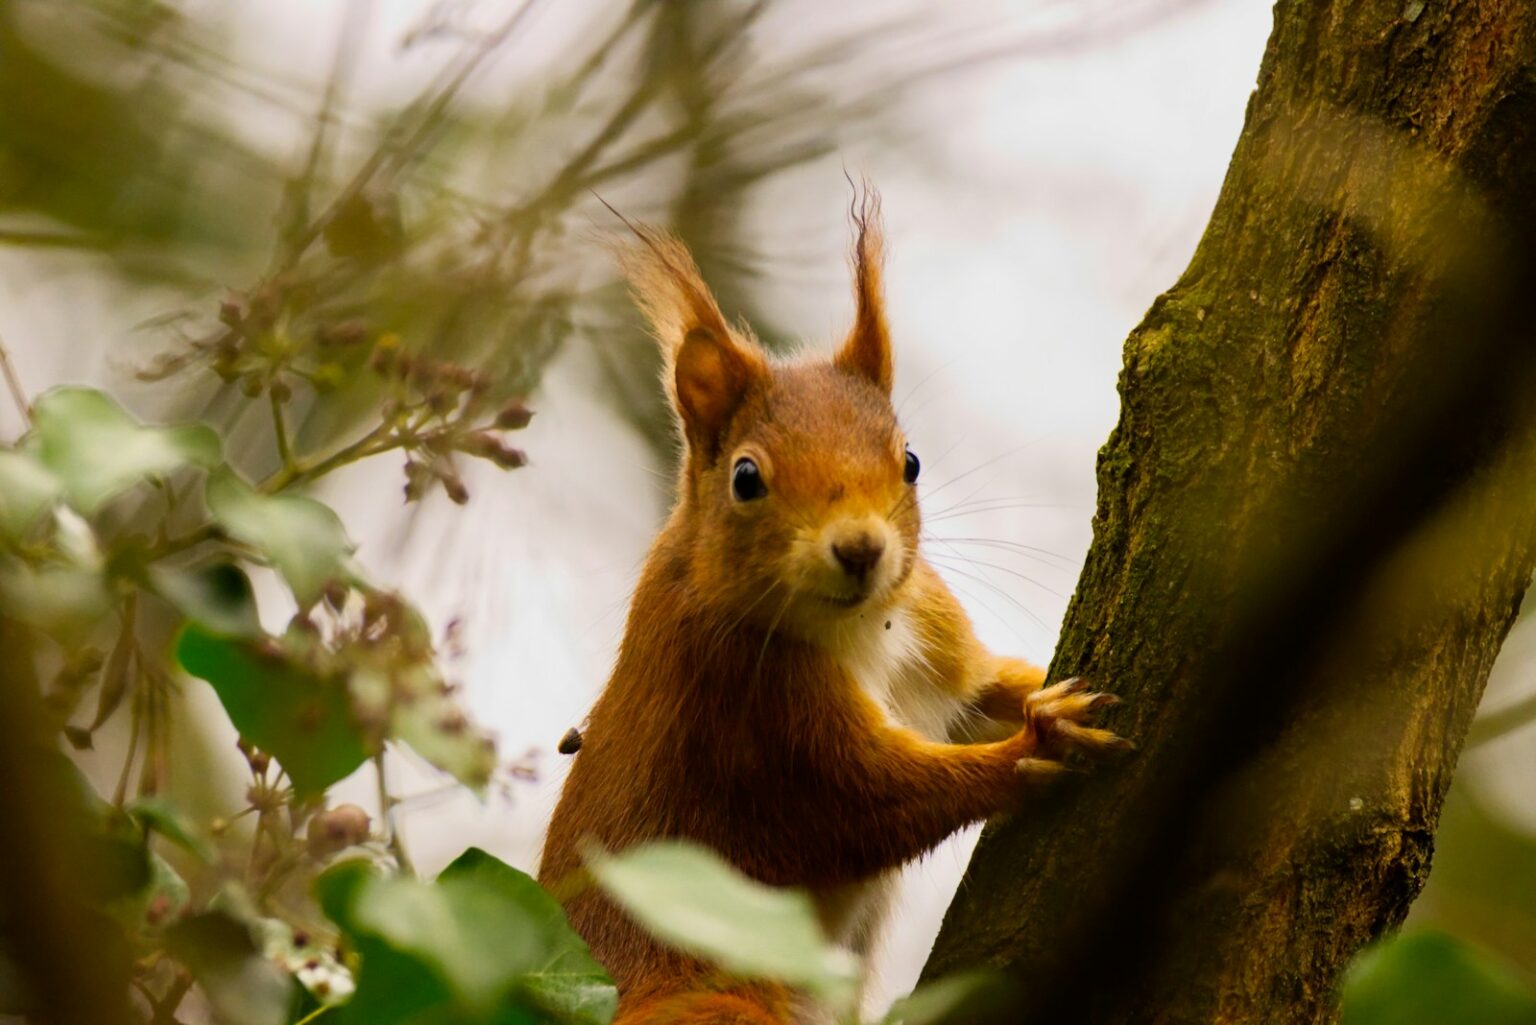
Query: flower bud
(335, 829)
(343, 333)
(514, 416)
(486, 445)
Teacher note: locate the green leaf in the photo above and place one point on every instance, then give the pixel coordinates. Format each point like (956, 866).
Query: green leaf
(968, 997)
(437, 729)
(570, 986)
(218, 597)
(302, 720)
(243, 986)
(164, 896)
(483, 944)
(689, 897)
(66, 602)
(304, 539)
(161, 816)
(1432, 978)
(26, 489)
(96, 450)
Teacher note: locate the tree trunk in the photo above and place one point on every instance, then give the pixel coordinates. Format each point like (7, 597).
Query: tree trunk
(1314, 527)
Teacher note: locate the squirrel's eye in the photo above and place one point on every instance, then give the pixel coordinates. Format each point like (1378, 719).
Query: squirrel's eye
(913, 466)
(747, 481)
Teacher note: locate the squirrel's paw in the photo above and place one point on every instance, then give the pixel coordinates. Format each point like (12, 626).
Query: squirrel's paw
(1059, 716)
(1018, 675)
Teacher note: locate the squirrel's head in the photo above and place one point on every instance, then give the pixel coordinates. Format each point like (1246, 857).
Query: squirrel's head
(797, 499)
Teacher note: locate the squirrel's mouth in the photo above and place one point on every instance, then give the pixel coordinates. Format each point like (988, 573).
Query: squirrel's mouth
(843, 601)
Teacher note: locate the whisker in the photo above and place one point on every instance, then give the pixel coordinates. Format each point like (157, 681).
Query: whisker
(971, 500)
(988, 607)
(983, 581)
(1012, 572)
(768, 637)
(1044, 555)
(935, 372)
(726, 628)
(977, 469)
(993, 509)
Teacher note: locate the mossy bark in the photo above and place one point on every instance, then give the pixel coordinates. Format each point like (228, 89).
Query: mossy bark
(1386, 174)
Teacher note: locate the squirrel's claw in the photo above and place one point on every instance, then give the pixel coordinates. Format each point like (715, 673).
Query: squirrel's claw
(1059, 715)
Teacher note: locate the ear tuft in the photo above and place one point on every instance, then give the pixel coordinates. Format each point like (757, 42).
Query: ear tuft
(867, 350)
(709, 368)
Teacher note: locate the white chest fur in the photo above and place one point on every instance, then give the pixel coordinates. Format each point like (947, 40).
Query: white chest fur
(885, 654)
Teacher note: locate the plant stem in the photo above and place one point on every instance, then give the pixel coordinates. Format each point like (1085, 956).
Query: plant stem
(165, 1007)
(387, 816)
(370, 444)
(13, 382)
(280, 429)
(312, 1015)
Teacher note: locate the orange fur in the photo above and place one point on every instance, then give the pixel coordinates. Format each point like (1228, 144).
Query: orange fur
(767, 702)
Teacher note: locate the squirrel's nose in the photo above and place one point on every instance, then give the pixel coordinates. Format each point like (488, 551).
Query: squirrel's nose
(858, 555)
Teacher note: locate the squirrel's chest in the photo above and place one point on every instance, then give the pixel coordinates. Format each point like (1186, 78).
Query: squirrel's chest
(886, 656)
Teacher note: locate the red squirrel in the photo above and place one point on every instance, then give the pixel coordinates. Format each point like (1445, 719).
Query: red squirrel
(797, 688)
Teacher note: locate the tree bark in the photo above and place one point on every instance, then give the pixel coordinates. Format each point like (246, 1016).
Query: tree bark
(1313, 530)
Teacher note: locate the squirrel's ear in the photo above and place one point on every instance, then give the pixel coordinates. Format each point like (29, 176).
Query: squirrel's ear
(710, 378)
(867, 351)
(709, 369)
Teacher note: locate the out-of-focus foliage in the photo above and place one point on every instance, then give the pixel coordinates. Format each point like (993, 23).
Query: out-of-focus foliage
(373, 283)
(483, 943)
(1430, 978)
(688, 896)
(99, 145)
(378, 282)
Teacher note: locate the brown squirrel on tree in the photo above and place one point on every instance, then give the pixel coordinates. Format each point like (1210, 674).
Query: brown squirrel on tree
(797, 689)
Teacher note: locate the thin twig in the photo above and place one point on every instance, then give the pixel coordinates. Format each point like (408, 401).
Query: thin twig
(280, 431)
(373, 443)
(165, 1007)
(387, 818)
(1493, 725)
(317, 1012)
(13, 382)
(388, 153)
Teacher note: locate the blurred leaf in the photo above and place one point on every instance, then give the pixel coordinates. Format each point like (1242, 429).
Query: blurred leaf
(303, 721)
(365, 227)
(304, 539)
(97, 450)
(691, 898)
(475, 946)
(243, 986)
(968, 997)
(96, 136)
(570, 986)
(65, 602)
(1483, 888)
(159, 815)
(435, 728)
(218, 597)
(26, 489)
(162, 897)
(118, 865)
(1432, 978)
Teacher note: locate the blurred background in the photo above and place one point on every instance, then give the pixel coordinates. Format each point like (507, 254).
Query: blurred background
(1046, 167)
